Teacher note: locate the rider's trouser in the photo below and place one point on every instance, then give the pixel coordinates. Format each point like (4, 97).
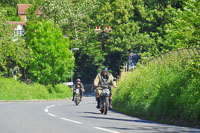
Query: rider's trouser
(98, 97)
(81, 93)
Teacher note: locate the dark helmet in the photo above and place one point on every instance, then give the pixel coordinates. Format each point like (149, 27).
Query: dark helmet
(105, 69)
(78, 80)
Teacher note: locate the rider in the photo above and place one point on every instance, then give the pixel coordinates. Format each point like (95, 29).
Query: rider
(80, 86)
(99, 80)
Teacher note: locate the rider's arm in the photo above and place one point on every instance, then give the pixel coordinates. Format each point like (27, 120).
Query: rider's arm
(96, 81)
(82, 87)
(112, 80)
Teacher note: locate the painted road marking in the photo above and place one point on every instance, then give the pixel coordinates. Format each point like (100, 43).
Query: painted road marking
(52, 105)
(106, 130)
(47, 107)
(46, 110)
(51, 114)
(71, 120)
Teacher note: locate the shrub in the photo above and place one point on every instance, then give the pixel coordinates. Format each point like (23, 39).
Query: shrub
(168, 90)
(11, 89)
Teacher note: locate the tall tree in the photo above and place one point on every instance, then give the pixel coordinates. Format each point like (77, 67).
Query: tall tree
(51, 61)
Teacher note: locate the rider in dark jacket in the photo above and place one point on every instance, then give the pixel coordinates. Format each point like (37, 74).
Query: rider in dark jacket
(80, 86)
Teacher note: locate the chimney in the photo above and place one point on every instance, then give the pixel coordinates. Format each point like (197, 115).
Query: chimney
(97, 29)
(109, 28)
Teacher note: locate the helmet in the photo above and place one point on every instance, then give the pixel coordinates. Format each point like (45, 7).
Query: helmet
(78, 80)
(105, 69)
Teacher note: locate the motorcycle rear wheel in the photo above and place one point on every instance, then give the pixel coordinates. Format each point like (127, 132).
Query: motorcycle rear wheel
(106, 106)
(76, 100)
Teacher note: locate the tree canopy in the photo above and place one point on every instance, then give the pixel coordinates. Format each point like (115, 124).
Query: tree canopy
(51, 60)
(148, 27)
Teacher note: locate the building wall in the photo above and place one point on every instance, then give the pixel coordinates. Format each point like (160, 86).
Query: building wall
(23, 17)
(19, 30)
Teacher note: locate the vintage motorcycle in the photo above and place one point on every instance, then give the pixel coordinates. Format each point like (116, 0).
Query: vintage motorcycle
(104, 98)
(77, 97)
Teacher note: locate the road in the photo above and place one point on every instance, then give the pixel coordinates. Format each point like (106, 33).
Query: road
(65, 117)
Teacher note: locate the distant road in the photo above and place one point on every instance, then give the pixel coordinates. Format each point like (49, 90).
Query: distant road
(65, 117)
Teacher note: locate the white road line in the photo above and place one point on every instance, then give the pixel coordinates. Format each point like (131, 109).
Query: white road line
(71, 120)
(46, 110)
(51, 114)
(106, 130)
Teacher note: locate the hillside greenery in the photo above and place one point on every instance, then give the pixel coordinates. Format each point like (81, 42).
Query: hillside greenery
(165, 91)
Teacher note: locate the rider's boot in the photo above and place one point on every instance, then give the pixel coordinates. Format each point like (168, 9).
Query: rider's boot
(80, 97)
(73, 97)
(110, 103)
(98, 103)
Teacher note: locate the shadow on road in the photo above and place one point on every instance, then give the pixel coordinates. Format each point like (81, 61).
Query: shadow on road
(116, 119)
(153, 129)
(92, 113)
(149, 125)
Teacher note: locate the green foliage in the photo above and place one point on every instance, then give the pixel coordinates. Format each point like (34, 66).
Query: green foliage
(11, 89)
(12, 52)
(51, 60)
(149, 27)
(89, 59)
(11, 7)
(183, 31)
(54, 9)
(62, 91)
(15, 2)
(74, 19)
(167, 90)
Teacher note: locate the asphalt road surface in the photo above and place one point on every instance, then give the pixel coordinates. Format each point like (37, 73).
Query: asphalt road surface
(66, 117)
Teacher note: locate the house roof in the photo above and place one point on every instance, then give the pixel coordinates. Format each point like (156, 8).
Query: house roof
(17, 22)
(22, 9)
(13, 23)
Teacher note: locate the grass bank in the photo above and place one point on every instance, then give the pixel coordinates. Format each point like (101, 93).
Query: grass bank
(167, 91)
(11, 89)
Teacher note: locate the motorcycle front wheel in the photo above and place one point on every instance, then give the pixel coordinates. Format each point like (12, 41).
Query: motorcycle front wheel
(106, 106)
(76, 100)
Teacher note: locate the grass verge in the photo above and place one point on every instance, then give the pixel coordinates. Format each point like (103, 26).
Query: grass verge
(11, 89)
(167, 91)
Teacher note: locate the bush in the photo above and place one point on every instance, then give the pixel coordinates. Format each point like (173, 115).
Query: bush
(63, 91)
(162, 91)
(11, 89)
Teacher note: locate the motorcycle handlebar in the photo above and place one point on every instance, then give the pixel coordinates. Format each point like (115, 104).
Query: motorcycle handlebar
(109, 86)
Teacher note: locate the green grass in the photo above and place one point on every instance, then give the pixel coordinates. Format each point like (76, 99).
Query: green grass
(167, 91)
(11, 89)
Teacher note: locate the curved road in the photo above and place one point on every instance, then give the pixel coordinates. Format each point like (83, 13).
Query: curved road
(65, 117)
